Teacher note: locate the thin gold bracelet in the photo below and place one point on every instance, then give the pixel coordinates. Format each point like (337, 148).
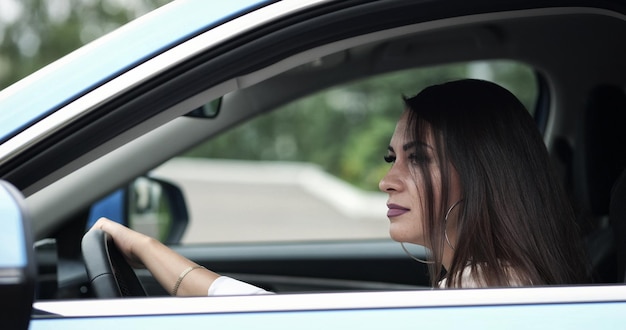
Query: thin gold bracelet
(181, 277)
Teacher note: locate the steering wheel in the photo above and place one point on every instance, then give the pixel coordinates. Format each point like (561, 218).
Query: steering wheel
(110, 276)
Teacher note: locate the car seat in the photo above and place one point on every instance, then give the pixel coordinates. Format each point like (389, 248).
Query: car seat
(598, 160)
(617, 219)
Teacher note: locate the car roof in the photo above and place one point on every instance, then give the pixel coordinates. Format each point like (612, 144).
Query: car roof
(75, 74)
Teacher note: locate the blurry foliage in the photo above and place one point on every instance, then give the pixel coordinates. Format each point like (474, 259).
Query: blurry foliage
(346, 129)
(34, 33)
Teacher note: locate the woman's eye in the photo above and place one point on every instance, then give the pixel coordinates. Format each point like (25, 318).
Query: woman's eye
(419, 158)
(389, 159)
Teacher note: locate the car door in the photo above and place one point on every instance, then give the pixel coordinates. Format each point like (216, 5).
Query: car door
(132, 122)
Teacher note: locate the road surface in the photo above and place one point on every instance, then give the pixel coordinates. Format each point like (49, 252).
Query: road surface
(235, 201)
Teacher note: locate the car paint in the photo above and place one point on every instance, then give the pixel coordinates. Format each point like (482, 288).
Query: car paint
(13, 253)
(513, 308)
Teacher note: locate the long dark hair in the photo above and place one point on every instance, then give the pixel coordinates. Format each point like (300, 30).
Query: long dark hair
(515, 224)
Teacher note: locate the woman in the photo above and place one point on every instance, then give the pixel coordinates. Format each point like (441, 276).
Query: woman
(470, 165)
(470, 180)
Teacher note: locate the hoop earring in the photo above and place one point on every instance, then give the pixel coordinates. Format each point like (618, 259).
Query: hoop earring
(414, 257)
(445, 223)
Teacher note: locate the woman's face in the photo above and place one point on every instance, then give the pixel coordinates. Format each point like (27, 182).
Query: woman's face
(405, 185)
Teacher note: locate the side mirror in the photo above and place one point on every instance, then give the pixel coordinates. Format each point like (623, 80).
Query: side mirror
(17, 266)
(148, 205)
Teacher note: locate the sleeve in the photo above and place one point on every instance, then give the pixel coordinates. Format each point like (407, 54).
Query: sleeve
(226, 286)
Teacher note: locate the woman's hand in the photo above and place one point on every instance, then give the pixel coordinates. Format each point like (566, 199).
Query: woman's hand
(167, 266)
(127, 240)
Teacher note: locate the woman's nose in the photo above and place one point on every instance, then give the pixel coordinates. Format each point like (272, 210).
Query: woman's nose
(390, 182)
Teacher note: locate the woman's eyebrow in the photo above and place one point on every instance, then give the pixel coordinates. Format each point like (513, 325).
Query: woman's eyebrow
(410, 145)
(415, 144)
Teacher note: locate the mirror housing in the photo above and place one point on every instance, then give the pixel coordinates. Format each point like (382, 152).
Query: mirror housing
(148, 205)
(208, 111)
(17, 266)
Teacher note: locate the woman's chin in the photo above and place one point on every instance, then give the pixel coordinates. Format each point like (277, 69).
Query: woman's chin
(401, 236)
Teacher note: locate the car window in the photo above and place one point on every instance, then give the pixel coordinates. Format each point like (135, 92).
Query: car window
(310, 169)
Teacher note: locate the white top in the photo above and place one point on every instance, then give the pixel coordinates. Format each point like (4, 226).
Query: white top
(226, 286)
(468, 281)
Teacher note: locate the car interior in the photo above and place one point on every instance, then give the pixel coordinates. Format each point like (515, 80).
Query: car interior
(577, 53)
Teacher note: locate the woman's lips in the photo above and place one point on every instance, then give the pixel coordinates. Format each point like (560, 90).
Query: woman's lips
(396, 210)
